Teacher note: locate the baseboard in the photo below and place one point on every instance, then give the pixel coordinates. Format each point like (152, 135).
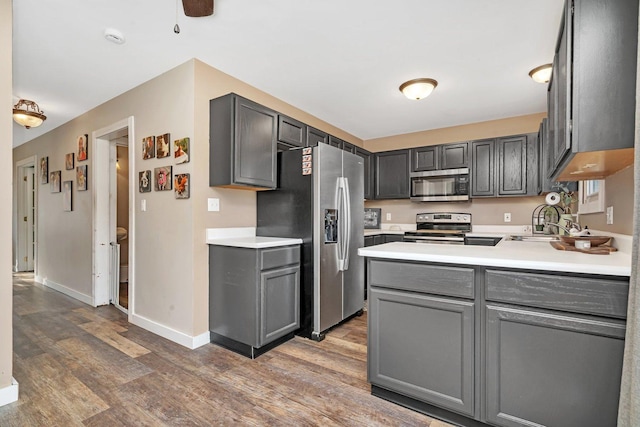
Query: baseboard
(9, 394)
(38, 279)
(68, 291)
(171, 334)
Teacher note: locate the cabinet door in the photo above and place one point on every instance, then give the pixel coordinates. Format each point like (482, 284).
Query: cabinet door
(562, 77)
(367, 157)
(315, 137)
(422, 347)
(369, 240)
(393, 238)
(291, 132)
(512, 165)
(483, 160)
(348, 147)
(335, 142)
(425, 158)
(254, 145)
(454, 156)
(552, 370)
(378, 239)
(279, 303)
(392, 174)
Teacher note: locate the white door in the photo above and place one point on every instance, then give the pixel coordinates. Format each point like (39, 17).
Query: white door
(26, 218)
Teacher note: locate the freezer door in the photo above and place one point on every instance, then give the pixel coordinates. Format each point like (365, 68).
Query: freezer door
(353, 276)
(328, 217)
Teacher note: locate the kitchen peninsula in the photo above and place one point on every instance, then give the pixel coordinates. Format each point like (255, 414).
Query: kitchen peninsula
(511, 335)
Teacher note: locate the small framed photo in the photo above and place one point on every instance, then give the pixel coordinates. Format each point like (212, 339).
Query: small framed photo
(148, 147)
(162, 178)
(181, 150)
(181, 185)
(144, 181)
(54, 181)
(67, 196)
(68, 161)
(81, 177)
(83, 153)
(162, 146)
(44, 170)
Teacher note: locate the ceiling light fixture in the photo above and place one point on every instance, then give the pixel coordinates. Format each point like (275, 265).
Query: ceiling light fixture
(27, 113)
(541, 74)
(418, 88)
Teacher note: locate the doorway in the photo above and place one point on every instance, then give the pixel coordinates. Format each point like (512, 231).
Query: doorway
(114, 216)
(26, 215)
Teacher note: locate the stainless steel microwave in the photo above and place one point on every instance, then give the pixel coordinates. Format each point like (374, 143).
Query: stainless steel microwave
(448, 185)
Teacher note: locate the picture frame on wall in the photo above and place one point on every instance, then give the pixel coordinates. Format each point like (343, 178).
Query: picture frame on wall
(68, 161)
(54, 181)
(44, 170)
(83, 149)
(67, 194)
(162, 146)
(181, 185)
(163, 179)
(144, 181)
(181, 150)
(148, 147)
(81, 177)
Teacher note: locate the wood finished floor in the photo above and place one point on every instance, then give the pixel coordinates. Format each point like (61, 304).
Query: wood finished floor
(83, 366)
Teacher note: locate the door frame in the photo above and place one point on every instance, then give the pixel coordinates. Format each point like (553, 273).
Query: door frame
(102, 192)
(19, 212)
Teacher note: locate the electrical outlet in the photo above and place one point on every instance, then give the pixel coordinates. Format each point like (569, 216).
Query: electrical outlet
(609, 214)
(527, 229)
(213, 205)
(507, 217)
(388, 217)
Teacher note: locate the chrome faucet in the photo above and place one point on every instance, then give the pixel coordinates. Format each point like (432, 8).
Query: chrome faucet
(571, 226)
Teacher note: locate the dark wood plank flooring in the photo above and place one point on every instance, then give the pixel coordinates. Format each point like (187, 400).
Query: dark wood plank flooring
(83, 366)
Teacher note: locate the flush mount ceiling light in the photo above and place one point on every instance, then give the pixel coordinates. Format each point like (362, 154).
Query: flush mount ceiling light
(114, 36)
(541, 74)
(418, 88)
(27, 113)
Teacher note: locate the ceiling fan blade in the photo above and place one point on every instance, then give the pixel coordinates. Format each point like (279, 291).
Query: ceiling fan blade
(197, 8)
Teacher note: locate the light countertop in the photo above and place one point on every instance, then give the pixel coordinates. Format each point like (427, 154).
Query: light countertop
(245, 237)
(508, 254)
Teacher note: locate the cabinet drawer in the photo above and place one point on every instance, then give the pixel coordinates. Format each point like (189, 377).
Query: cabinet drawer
(453, 281)
(599, 296)
(278, 257)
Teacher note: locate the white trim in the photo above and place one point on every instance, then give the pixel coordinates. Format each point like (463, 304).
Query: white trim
(9, 394)
(593, 206)
(29, 161)
(68, 291)
(171, 334)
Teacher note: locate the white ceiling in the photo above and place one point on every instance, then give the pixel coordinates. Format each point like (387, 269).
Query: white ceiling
(340, 60)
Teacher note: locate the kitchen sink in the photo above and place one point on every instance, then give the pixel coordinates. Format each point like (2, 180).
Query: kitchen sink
(545, 238)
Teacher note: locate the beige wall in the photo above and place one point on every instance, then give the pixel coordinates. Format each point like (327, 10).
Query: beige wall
(619, 194)
(490, 129)
(6, 135)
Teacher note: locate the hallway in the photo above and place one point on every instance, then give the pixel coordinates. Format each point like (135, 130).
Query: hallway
(83, 366)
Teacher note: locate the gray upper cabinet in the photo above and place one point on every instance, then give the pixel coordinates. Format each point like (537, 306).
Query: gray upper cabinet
(454, 156)
(512, 166)
(425, 158)
(367, 157)
(316, 136)
(335, 142)
(392, 174)
(291, 133)
(592, 92)
(483, 160)
(349, 147)
(242, 139)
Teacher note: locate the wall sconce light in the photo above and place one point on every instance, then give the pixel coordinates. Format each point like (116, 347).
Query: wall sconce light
(27, 113)
(418, 88)
(541, 74)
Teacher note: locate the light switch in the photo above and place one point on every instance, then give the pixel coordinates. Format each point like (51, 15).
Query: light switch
(213, 205)
(143, 205)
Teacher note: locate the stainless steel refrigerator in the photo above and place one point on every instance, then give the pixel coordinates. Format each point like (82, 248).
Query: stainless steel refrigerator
(320, 199)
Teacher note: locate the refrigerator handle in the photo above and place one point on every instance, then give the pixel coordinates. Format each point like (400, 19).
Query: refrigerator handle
(343, 257)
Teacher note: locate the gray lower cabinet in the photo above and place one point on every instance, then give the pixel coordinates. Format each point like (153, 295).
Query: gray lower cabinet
(254, 296)
(552, 369)
(421, 346)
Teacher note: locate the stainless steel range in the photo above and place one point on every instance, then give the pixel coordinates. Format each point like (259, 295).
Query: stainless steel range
(440, 227)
